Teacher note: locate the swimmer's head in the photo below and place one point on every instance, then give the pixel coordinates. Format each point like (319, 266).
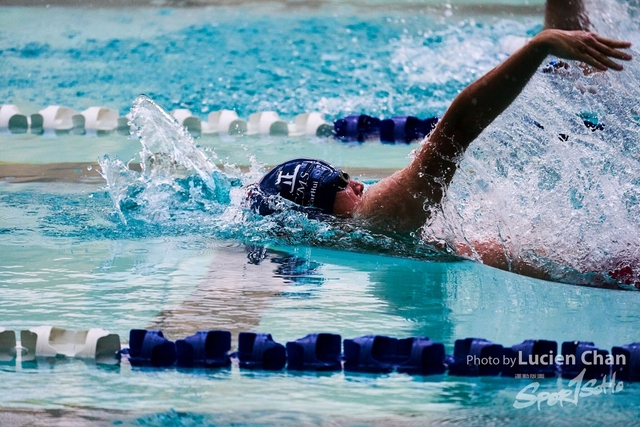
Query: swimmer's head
(310, 184)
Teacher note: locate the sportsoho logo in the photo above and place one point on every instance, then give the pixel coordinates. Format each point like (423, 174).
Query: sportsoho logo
(528, 396)
(577, 389)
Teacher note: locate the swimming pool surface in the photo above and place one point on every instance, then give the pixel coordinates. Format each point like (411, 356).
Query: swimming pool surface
(172, 249)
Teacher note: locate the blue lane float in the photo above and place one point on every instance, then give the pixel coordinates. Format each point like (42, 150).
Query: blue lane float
(420, 355)
(150, 348)
(368, 353)
(405, 129)
(630, 355)
(315, 352)
(356, 128)
(207, 349)
(260, 351)
(473, 357)
(580, 355)
(382, 354)
(532, 357)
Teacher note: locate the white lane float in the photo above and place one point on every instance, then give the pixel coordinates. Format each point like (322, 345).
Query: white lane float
(100, 119)
(188, 120)
(58, 118)
(311, 124)
(224, 122)
(12, 120)
(49, 341)
(266, 123)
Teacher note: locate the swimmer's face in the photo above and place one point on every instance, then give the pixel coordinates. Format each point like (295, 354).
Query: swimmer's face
(348, 199)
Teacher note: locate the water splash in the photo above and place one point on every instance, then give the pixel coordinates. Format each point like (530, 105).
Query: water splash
(179, 189)
(548, 189)
(176, 176)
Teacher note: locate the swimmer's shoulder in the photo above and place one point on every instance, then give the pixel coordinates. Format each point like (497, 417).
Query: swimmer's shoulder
(390, 205)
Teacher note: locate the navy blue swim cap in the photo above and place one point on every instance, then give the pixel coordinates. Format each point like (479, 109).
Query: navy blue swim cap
(308, 183)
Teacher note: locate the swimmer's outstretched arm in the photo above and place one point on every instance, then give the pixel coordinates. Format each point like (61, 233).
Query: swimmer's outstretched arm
(402, 201)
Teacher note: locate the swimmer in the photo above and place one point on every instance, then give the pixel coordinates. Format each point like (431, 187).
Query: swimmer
(402, 202)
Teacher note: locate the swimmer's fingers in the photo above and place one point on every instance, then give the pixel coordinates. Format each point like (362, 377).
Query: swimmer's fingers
(587, 47)
(616, 44)
(600, 60)
(610, 48)
(599, 51)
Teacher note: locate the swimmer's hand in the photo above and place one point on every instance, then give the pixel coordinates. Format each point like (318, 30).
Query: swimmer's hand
(584, 46)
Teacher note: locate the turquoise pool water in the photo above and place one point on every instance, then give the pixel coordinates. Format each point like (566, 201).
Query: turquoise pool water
(142, 254)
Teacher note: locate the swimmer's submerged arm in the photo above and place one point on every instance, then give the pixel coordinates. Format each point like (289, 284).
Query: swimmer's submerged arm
(399, 202)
